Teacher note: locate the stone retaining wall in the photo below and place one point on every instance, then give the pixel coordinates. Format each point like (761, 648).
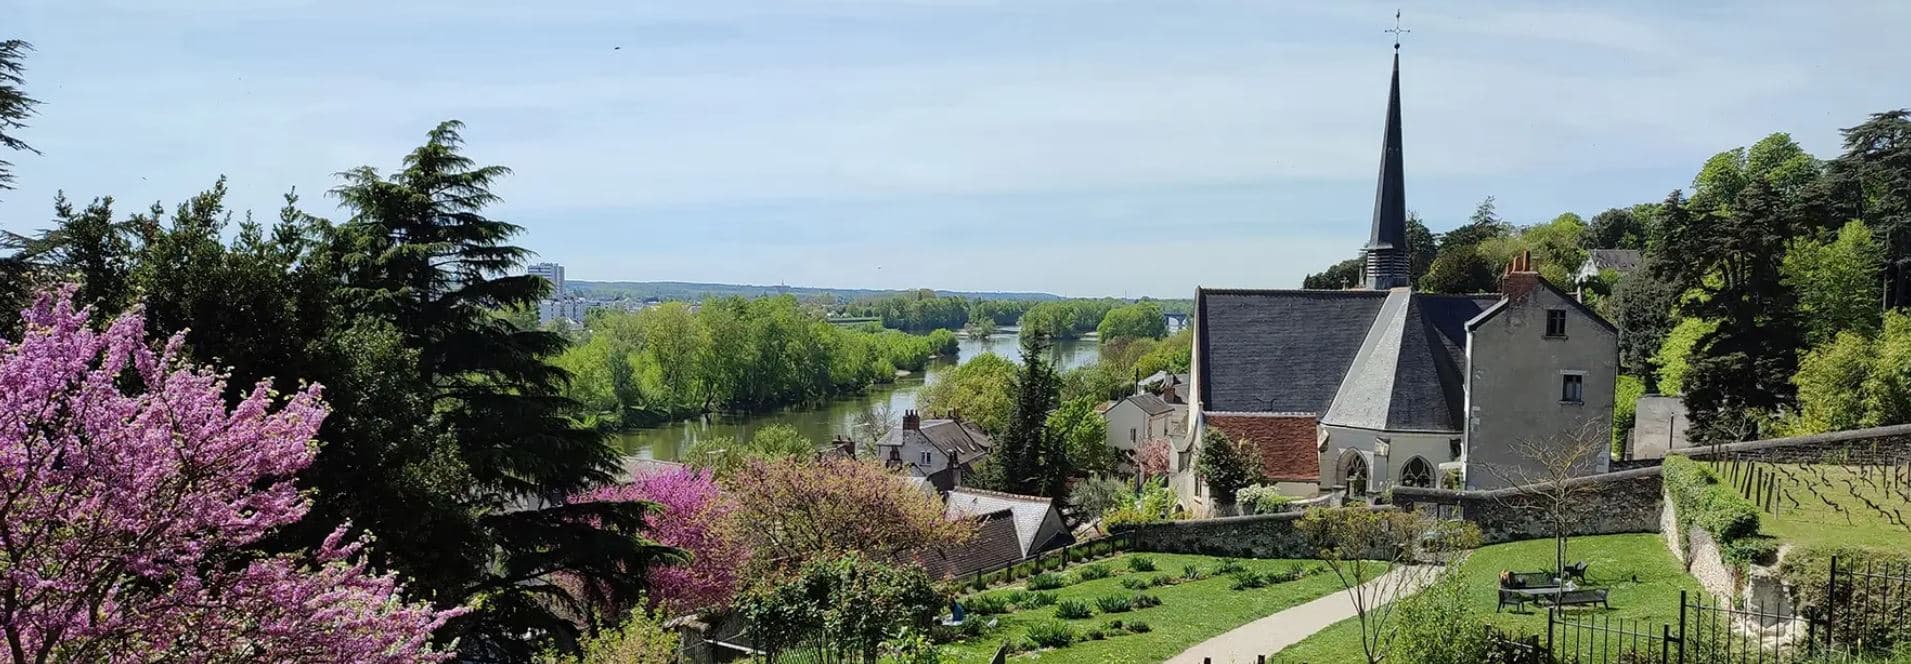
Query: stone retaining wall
(1257, 536)
(1611, 503)
(1886, 446)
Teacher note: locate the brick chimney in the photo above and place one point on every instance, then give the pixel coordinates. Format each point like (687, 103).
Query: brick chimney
(1520, 279)
(911, 421)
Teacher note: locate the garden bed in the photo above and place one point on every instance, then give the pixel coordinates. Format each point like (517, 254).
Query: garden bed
(1222, 594)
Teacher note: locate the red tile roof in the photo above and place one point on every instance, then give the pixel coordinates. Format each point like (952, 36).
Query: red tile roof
(1288, 444)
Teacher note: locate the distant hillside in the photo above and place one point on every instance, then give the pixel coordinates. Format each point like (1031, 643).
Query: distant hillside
(683, 290)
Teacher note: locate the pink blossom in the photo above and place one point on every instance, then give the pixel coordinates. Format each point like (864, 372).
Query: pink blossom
(1152, 457)
(129, 493)
(694, 515)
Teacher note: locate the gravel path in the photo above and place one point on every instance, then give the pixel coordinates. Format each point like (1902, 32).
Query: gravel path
(1269, 635)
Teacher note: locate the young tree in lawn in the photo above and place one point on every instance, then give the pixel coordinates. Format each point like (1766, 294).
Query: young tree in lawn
(792, 510)
(1381, 556)
(132, 498)
(692, 513)
(1545, 485)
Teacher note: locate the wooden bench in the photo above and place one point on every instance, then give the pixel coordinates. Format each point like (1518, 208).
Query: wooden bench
(1582, 597)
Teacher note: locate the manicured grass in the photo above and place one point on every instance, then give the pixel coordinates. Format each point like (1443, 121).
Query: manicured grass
(1802, 516)
(1190, 612)
(1615, 561)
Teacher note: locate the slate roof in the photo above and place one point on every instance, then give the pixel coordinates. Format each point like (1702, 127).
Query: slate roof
(995, 543)
(1622, 260)
(947, 436)
(1389, 360)
(1029, 511)
(1151, 404)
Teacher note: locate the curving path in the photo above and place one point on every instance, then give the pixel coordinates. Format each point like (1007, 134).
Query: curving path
(1269, 635)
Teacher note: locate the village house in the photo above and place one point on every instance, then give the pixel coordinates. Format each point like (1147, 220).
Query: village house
(1138, 419)
(1357, 390)
(940, 450)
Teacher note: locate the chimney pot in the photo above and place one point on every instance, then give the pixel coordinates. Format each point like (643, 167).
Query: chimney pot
(911, 421)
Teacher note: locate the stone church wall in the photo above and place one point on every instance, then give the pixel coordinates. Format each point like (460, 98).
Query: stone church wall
(1611, 503)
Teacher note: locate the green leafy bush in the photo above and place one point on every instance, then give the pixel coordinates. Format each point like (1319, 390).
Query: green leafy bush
(1247, 580)
(1046, 581)
(1141, 564)
(1703, 501)
(1051, 634)
(1094, 635)
(1438, 626)
(1139, 627)
(1115, 603)
(1262, 499)
(1073, 609)
(1112, 625)
(1228, 566)
(1146, 601)
(1093, 572)
(987, 605)
(1038, 600)
(1191, 572)
(1135, 583)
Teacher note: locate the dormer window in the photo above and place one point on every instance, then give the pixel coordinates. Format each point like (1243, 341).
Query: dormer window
(928, 458)
(1555, 322)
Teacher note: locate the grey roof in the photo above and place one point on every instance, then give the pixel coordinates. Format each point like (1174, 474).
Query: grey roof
(995, 543)
(1150, 404)
(1278, 350)
(1386, 360)
(957, 437)
(1622, 260)
(1390, 194)
(1030, 511)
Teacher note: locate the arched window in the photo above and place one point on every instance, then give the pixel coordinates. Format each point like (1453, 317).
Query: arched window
(1354, 471)
(1417, 473)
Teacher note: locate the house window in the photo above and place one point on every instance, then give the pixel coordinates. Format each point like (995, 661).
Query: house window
(1555, 322)
(1131, 434)
(1572, 388)
(927, 459)
(1453, 449)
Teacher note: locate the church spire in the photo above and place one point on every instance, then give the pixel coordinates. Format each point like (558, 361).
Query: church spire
(1387, 249)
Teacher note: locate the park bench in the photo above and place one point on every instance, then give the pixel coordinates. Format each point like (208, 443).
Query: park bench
(1530, 580)
(1515, 598)
(1583, 597)
(1576, 570)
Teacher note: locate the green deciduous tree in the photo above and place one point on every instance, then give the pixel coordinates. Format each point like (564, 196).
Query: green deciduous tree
(1339, 276)
(1831, 381)
(840, 608)
(1836, 282)
(1616, 228)
(1484, 224)
(981, 389)
(1084, 434)
(1459, 269)
(1227, 465)
(1141, 320)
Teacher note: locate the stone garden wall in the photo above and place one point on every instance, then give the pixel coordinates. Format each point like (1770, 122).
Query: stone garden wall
(1884, 446)
(1623, 502)
(1256, 536)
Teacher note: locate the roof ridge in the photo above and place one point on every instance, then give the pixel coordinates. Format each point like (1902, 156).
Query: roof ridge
(1002, 494)
(1251, 413)
(1349, 292)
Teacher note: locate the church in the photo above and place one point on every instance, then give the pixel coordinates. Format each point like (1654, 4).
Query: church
(1355, 391)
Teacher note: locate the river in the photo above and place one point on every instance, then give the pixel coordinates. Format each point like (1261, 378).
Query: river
(823, 421)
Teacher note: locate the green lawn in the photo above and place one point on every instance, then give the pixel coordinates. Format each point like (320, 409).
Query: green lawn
(1615, 560)
(1190, 612)
(1801, 515)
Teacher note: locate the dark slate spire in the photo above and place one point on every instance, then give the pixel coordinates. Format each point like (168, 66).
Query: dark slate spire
(1387, 249)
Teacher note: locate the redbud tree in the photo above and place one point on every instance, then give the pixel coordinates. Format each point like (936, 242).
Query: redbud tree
(129, 495)
(694, 514)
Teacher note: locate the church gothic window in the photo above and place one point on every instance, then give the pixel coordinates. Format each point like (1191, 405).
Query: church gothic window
(1356, 474)
(1417, 473)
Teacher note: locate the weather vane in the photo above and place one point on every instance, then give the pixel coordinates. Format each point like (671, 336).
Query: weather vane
(1397, 30)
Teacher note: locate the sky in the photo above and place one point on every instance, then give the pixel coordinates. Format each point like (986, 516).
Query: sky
(1078, 147)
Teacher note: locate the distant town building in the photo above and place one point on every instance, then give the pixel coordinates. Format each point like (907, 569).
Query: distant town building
(569, 309)
(551, 272)
(1355, 391)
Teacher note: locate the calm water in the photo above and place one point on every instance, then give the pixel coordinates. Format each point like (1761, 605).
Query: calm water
(820, 422)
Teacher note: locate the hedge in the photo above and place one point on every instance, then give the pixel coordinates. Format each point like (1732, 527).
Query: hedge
(1704, 501)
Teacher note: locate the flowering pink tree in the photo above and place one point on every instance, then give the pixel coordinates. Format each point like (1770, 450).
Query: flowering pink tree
(1152, 457)
(694, 515)
(128, 495)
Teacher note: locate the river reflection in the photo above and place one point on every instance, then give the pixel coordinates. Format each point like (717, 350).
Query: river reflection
(842, 415)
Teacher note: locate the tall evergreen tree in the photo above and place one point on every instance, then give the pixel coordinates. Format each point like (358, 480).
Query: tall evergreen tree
(1740, 373)
(424, 257)
(1877, 165)
(15, 105)
(1033, 461)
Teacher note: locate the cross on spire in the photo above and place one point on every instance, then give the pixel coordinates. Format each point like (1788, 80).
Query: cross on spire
(1397, 30)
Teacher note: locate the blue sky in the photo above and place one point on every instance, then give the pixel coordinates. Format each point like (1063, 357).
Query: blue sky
(1072, 146)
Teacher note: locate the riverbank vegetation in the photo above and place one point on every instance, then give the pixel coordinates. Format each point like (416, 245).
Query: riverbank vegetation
(730, 355)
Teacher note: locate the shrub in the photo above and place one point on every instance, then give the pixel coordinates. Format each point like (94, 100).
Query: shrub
(1073, 609)
(1139, 627)
(1438, 626)
(1141, 564)
(1051, 634)
(1094, 635)
(1115, 603)
(1191, 572)
(1807, 569)
(1046, 581)
(1145, 601)
(1038, 600)
(1092, 572)
(1135, 583)
(1112, 625)
(987, 605)
(1228, 566)
(1247, 580)
(1705, 502)
(1262, 499)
